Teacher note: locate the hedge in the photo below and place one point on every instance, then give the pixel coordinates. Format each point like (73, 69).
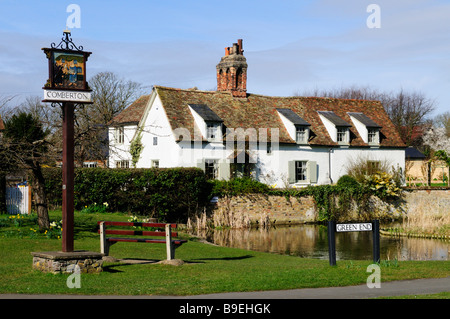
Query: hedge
(169, 194)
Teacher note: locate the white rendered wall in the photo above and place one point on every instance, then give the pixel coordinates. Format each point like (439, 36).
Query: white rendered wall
(120, 151)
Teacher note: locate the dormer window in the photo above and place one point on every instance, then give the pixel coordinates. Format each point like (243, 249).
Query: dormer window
(301, 134)
(209, 123)
(213, 131)
(338, 129)
(297, 127)
(373, 136)
(367, 128)
(342, 135)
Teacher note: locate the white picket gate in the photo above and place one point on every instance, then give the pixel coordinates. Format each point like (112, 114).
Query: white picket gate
(18, 200)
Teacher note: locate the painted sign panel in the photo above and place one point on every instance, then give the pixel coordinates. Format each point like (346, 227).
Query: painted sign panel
(354, 227)
(67, 96)
(68, 70)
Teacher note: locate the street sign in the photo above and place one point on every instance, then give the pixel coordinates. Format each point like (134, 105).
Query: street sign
(354, 227)
(67, 96)
(66, 72)
(333, 228)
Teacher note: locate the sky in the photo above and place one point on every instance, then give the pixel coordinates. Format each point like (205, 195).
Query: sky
(292, 46)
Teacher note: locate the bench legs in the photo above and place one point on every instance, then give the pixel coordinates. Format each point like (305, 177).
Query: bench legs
(104, 244)
(170, 247)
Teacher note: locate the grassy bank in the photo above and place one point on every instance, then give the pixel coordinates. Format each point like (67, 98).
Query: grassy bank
(207, 268)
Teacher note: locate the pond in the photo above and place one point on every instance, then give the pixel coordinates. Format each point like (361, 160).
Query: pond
(311, 241)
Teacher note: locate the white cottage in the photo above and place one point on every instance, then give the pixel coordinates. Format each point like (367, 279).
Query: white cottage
(294, 141)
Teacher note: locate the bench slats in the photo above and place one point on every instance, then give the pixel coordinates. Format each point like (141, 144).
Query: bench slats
(145, 240)
(138, 232)
(137, 224)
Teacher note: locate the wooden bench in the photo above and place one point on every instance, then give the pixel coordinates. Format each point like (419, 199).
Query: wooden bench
(171, 244)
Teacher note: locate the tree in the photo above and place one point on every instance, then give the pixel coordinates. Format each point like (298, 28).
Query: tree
(111, 95)
(24, 146)
(443, 120)
(439, 143)
(407, 110)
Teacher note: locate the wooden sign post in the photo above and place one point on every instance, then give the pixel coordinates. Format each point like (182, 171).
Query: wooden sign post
(373, 226)
(67, 86)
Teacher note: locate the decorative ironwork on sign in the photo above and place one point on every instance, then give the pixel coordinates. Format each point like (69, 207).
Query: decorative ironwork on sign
(67, 72)
(66, 43)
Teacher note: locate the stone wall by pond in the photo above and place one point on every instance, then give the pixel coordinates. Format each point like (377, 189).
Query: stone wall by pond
(281, 210)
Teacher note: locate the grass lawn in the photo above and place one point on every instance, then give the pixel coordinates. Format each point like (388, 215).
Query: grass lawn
(207, 268)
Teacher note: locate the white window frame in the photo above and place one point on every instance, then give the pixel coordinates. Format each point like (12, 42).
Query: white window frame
(120, 135)
(212, 168)
(123, 164)
(213, 131)
(301, 134)
(373, 136)
(308, 173)
(89, 164)
(155, 163)
(301, 171)
(342, 135)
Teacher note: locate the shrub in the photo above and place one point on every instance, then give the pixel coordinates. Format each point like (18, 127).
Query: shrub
(347, 181)
(169, 194)
(238, 186)
(382, 185)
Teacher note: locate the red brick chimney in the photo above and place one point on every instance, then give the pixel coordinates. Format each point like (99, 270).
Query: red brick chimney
(232, 71)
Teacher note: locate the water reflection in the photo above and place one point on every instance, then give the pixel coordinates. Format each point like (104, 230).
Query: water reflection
(311, 241)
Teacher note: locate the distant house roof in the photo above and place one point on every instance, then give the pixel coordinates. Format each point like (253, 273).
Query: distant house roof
(132, 114)
(364, 119)
(293, 117)
(259, 111)
(2, 125)
(411, 152)
(205, 112)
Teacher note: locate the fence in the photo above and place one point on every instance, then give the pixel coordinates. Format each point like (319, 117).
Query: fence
(18, 200)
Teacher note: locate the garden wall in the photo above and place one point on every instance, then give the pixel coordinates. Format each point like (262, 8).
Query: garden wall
(279, 209)
(436, 201)
(292, 210)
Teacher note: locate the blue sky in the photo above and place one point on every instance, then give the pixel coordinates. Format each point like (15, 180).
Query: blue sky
(291, 46)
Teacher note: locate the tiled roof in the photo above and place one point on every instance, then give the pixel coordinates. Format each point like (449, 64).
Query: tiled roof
(2, 125)
(132, 114)
(258, 111)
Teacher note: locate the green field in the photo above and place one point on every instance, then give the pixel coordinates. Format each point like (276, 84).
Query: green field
(207, 268)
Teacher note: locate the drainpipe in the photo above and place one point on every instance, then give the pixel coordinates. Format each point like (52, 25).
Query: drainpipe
(330, 150)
